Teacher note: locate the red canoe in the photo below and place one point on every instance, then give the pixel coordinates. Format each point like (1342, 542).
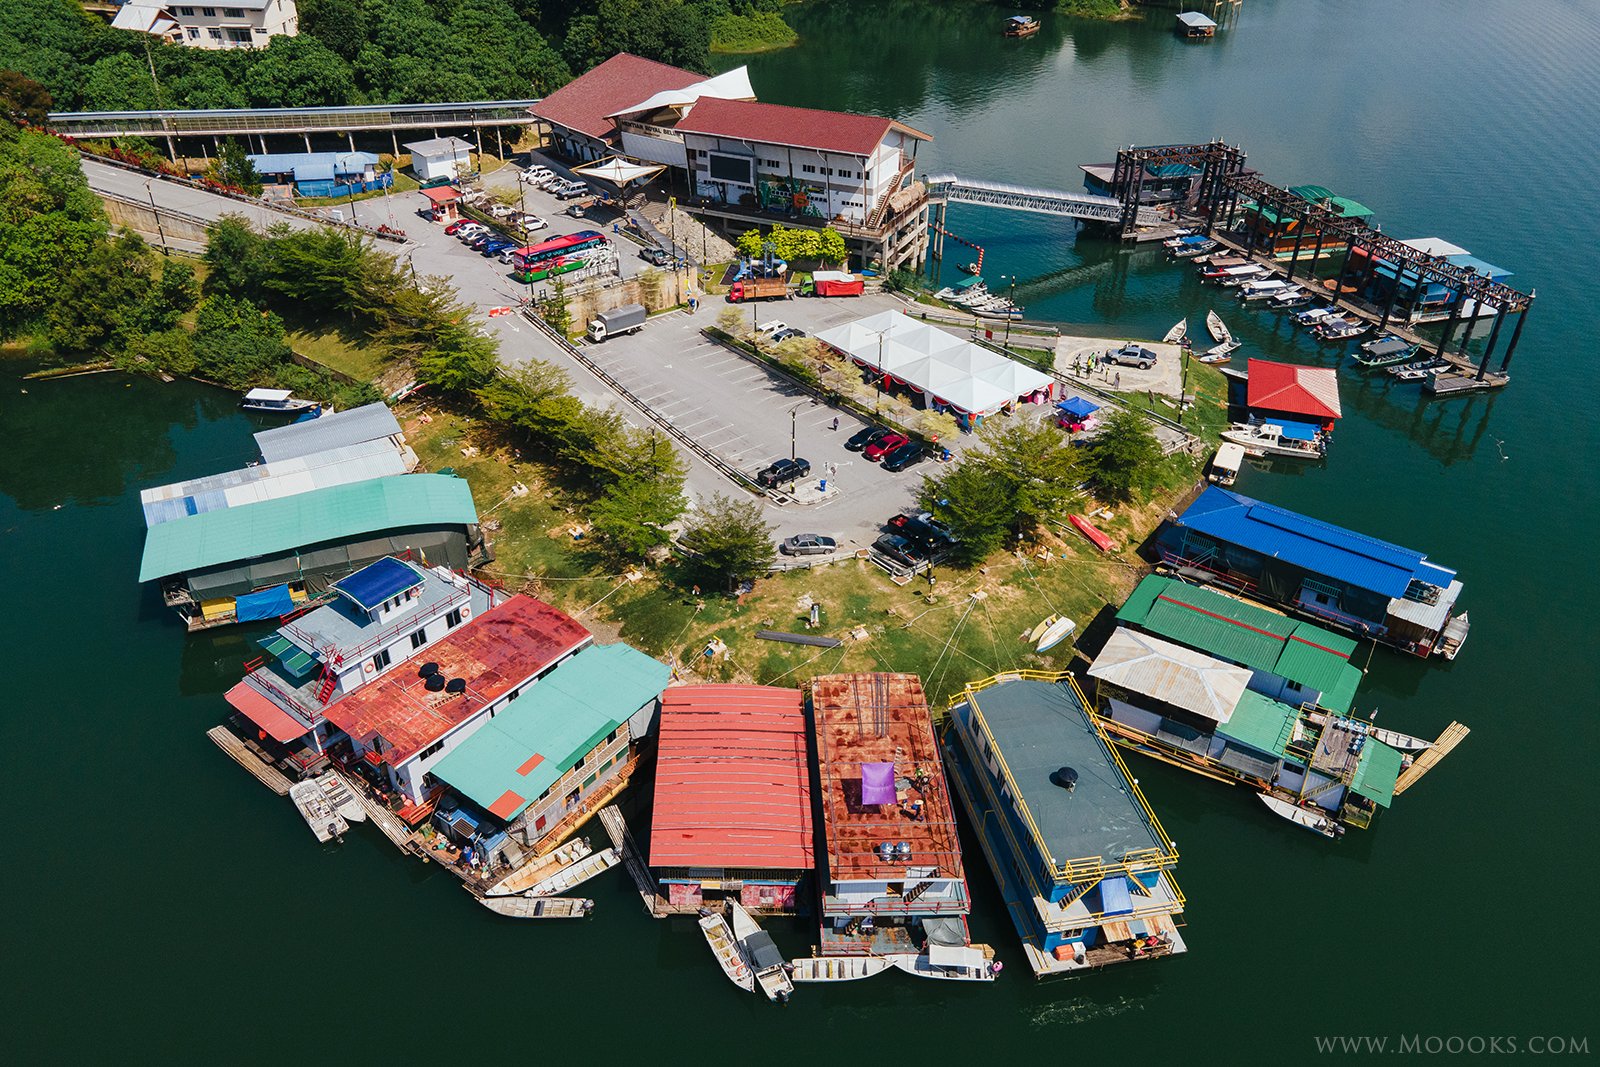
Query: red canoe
(1098, 539)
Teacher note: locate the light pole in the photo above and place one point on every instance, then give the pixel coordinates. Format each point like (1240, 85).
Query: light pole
(1009, 297)
(156, 214)
(794, 414)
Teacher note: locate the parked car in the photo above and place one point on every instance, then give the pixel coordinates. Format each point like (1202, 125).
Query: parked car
(498, 245)
(773, 326)
(471, 230)
(924, 534)
(783, 471)
(571, 190)
(455, 227)
(808, 545)
(862, 438)
(657, 256)
(501, 211)
(884, 445)
(923, 519)
(1132, 356)
(904, 456)
(531, 223)
(535, 175)
(477, 243)
(785, 334)
(575, 211)
(507, 254)
(898, 549)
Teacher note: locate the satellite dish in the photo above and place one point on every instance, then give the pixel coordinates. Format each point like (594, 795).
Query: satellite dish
(1065, 777)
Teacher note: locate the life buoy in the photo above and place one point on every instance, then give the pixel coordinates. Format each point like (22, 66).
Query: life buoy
(466, 613)
(367, 667)
(800, 200)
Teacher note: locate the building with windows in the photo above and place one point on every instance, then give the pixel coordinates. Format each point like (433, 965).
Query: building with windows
(245, 24)
(449, 158)
(1083, 864)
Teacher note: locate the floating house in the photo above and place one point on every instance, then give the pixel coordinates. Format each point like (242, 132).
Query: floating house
(1412, 299)
(1084, 866)
(1286, 238)
(1337, 576)
(731, 817)
(1288, 391)
(323, 173)
(891, 881)
(544, 762)
(1322, 770)
(1163, 183)
(1194, 24)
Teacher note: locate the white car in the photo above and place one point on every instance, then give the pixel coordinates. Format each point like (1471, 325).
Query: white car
(773, 326)
(535, 175)
(467, 233)
(501, 211)
(531, 223)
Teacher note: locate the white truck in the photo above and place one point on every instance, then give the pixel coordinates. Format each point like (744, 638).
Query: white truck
(625, 319)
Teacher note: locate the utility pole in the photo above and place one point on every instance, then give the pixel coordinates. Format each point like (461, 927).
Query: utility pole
(794, 415)
(1011, 296)
(157, 215)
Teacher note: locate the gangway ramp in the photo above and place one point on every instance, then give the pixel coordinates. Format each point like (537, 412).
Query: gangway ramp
(954, 189)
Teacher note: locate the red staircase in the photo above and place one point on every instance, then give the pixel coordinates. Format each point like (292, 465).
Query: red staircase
(330, 677)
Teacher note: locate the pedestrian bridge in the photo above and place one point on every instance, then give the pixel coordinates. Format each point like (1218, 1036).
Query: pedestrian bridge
(223, 122)
(950, 188)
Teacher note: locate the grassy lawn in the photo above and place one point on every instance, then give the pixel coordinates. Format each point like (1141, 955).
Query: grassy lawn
(338, 349)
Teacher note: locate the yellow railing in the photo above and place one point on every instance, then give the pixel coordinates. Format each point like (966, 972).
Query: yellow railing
(1079, 868)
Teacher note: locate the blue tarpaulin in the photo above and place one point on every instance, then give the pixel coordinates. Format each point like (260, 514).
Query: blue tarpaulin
(373, 584)
(1077, 405)
(1114, 896)
(1300, 431)
(263, 604)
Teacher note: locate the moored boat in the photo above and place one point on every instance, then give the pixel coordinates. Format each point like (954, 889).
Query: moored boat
(1338, 328)
(771, 970)
(729, 952)
(1220, 353)
(1263, 288)
(1312, 316)
(539, 907)
(1226, 463)
(1299, 440)
(1313, 819)
(1095, 536)
(1239, 276)
(1290, 298)
(277, 402)
(1217, 328)
(1021, 26)
(1412, 372)
(1385, 351)
(1190, 246)
(312, 803)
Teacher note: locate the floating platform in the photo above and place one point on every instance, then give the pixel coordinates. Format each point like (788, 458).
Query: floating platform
(249, 759)
(1453, 384)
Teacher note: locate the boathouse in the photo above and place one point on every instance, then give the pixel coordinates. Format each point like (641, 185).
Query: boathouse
(558, 751)
(1083, 864)
(1198, 712)
(1342, 578)
(1419, 300)
(399, 726)
(731, 817)
(943, 372)
(379, 617)
(1290, 660)
(1288, 391)
(341, 429)
(1283, 234)
(1194, 24)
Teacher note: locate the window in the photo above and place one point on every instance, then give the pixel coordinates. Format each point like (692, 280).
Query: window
(538, 824)
(515, 693)
(239, 35)
(194, 34)
(419, 638)
(186, 11)
(381, 660)
(545, 795)
(806, 168)
(430, 750)
(453, 619)
(209, 12)
(233, 12)
(612, 736)
(216, 34)
(579, 765)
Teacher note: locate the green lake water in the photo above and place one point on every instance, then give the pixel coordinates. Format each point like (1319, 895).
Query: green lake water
(162, 906)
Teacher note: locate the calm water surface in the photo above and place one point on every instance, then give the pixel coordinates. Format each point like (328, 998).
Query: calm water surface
(161, 905)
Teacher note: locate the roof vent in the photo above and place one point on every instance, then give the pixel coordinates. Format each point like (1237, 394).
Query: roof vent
(456, 685)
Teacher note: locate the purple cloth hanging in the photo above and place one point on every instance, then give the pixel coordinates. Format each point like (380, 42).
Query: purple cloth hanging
(877, 783)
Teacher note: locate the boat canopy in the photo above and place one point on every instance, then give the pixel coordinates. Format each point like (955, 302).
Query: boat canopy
(268, 396)
(1297, 431)
(967, 283)
(951, 956)
(764, 953)
(1197, 239)
(1388, 346)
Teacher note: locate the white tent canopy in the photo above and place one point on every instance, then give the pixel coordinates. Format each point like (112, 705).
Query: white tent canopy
(1172, 674)
(730, 85)
(618, 171)
(971, 379)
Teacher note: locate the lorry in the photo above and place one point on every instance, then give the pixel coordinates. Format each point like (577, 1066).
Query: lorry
(625, 319)
(833, 283)
(754, 288)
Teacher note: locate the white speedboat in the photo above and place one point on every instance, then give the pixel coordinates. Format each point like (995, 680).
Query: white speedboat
(277, 402)
(1290, 298)
(1260, 290)
(1336, 328)
(1220, 353)
(1298, 440)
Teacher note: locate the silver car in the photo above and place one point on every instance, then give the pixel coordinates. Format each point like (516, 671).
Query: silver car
(808, 544)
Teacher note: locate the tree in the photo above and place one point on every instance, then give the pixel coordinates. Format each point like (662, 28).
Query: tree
(339, 24)
(632, 515)
(300, 72)
(96, 309)
(1125, 460)
(557, 310)
(749, 243)
(237, 343)
(731, 321)
(120, 82)
(730, 540)
(831, 247)
(173, 295)
(974, 505)
(49, 223)
(23, 101)
(233, 167)
(235, 257)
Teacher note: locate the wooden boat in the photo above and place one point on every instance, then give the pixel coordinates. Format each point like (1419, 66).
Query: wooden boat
(1057, 632)
(575, 874)
(1096, 538)
(730, 954)
(1399, 741)
(1021, 26)
(837, 968)
(1277, 439)
(1178, 332)
(1385, 351)
(1220, 353)
(765, 960)
(1217, 328)
(277, 402)
(312, 803)
(536, 870)
(1313, 819)
(539, 907)
(1311, 316)
(1290, 298)
(1337, 328)
(1411, 373)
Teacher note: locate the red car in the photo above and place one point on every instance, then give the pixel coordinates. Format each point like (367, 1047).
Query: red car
(884, 445)
(456, 225)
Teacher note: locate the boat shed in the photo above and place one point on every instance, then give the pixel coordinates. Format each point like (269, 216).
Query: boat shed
(732, 808)
(1291, 660)
(1340, 577)
(1194, 24)
(546, 755)
(310, 538)
(354, 426)
(945, 371)
(1288, 389)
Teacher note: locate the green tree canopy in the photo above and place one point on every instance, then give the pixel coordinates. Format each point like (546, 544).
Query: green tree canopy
(49, 221)
(632, 515)
(1022, 473)
(1125, 460)
(730, 540)
(23, 101)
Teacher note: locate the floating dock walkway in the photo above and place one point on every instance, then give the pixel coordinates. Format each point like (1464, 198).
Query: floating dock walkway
(247, 758)
(622, 841)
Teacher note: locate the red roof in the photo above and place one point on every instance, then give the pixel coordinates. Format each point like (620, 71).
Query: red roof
(733, 780)
(494, 653)
(254, 705)
(1286, 387)
(621, 81)
(442, 194)
(799, 127)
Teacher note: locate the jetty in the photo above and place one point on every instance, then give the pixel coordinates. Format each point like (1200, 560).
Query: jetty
(251, 758)
(622, 843)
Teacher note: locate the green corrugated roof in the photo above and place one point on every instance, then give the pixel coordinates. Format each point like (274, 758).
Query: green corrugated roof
(1377, 771)
(271, 526)
(1260, 722)
(1248, 635)
(559, 719)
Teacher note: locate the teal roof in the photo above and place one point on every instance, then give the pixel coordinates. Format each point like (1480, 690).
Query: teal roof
(1260, 722)
(1377, 771)
(1248, 635)
(540, 735)
(271, 526)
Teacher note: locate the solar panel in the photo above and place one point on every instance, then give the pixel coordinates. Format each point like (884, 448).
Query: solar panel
(373, 584)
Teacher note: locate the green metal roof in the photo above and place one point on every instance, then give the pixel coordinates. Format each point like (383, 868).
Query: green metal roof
(296, 522)
(1377, 771)
(1243, 633)
(1260, 722)
(540, 735)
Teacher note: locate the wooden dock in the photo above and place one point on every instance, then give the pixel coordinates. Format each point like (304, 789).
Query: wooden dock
(386, 820)
(244, 756)
(1452, 736)
(622, 841)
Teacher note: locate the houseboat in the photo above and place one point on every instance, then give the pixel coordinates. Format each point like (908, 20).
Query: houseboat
(1226, 463)
(1083, 863)
(1287, 236)
(1192, 24)
(1020, 26)
(1340, 578)
(277, 402)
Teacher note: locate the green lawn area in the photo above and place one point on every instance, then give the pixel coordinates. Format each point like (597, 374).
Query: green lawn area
(337, 349)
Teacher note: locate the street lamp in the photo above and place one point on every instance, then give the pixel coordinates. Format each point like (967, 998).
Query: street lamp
(1010, 298)
(156, 214)
(794, 414)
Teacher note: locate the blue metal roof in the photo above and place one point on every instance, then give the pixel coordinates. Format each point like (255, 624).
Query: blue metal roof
(1319, 547)
(314, 162)
(320, 171)
(373, 584)
(1486, 269)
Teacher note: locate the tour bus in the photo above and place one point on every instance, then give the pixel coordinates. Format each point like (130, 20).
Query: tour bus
(539, 261)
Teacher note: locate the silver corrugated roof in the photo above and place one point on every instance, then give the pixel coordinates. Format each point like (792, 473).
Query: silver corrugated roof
(1171, 673)
(342, 428)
